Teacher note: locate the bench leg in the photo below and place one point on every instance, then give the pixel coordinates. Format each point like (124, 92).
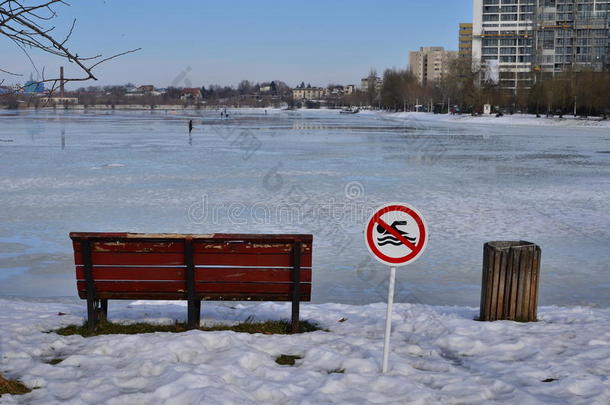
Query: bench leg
(97, 311)
(295, 316)
(102, 312)
(193, 314)
(91, 315)
(296, 285)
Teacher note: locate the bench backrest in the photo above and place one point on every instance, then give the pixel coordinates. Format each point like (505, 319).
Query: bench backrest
(207, 267)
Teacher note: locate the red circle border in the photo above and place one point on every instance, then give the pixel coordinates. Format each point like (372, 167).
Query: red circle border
(396, 260)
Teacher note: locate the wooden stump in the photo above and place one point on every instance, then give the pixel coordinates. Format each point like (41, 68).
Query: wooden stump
(510, 281)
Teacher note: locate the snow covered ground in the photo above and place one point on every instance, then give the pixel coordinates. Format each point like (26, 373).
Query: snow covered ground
(440, 355)
(567, 121)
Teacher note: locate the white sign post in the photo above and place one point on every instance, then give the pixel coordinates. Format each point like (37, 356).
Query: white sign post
(395, 235)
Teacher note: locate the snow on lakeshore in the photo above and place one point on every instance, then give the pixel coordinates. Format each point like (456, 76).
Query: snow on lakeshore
(567, 121)
(440, 355)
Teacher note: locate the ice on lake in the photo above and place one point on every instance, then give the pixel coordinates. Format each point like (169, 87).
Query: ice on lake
(309, 172)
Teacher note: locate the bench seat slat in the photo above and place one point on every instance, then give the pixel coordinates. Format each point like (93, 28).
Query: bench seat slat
(177, 246)
(200, 287)
(201, 274)
(289, 238)
(182, 296)
(201, 259)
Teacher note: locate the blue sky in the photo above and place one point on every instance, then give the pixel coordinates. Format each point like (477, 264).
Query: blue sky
(223, 42)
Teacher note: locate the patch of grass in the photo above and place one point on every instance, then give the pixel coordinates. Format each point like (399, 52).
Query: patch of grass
(249, 326)
(337, 371)
(267, 328)
(13, 387)
(287, 359)
(54, 361)
(109, 328)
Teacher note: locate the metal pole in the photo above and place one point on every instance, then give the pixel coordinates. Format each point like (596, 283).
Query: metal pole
(388, 321)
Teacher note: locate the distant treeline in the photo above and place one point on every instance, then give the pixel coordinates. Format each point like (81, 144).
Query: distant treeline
(245, 94)
(585, 92)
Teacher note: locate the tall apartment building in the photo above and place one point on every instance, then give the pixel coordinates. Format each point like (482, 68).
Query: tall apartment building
(430, 63)
(522, 37)
(465, 40)
(571, 35)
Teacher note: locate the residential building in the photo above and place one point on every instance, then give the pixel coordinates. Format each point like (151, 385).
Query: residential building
(519, 38)
(308, 93)
(59, 100)
(144, 90)
(430, 63)
(191, 93)
(502, 41)
(349, 89)
(371, 80)
(571, 35)
(465, 40)
(147, 88)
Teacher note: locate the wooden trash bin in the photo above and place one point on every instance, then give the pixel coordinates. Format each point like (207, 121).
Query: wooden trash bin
(509, 289)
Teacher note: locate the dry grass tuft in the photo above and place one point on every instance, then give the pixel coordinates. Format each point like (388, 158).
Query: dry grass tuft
(13, 387)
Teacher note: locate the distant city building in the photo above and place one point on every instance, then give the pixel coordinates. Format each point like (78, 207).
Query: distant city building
(524, 37)
(144, 90)
(430, 63)
(339, 91)
(349, 89)
(315, 93)
(191, 94)
(60, 100)
(371, 80)
(465, 40)
(268, 88)
(147, 88)
(309, 93)
(32, 86)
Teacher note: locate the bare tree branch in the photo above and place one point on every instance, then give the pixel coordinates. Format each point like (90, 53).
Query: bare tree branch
(28, 27)
(10, 73)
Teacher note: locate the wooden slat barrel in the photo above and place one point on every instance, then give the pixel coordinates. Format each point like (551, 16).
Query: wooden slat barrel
(509, 290)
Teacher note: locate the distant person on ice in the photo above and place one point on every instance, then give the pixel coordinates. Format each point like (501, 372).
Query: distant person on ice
(190, 126)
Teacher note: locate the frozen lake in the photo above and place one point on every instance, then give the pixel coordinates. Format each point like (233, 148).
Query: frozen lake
(309, 172)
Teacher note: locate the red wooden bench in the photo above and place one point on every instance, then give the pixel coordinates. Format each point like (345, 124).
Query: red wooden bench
(218, 267)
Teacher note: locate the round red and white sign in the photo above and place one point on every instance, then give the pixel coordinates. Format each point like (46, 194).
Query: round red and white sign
(396, 234)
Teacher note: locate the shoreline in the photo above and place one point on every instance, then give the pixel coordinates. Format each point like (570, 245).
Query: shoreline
(506, 120)
(568, 121)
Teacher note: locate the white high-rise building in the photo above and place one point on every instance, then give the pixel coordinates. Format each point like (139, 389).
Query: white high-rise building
(520, 38)
(502, 40)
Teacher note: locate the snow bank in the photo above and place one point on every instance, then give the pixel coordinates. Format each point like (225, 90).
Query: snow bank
(510, 120)
(439, 355)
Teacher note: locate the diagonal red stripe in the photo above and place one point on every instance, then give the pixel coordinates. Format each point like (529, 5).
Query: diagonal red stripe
(396, 234)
